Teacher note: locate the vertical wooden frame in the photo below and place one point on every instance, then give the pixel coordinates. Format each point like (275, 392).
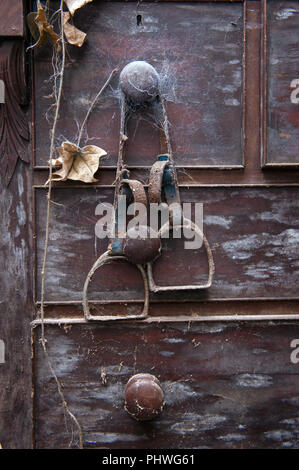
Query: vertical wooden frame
(265, 164)
(16, 423)
(264, 84)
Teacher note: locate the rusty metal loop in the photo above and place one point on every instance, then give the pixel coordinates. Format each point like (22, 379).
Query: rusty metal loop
(137, 190)
(187, 223)
(155, 181)
(106, 258)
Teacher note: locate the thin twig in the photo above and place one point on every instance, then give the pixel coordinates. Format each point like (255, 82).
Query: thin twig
(93, 104)
(52, 149)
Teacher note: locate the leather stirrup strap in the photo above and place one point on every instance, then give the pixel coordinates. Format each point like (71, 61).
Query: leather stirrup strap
(155, 181)
(137, 190)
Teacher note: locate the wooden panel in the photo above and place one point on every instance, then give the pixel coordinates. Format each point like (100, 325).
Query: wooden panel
(11, 18)
(282, 81)
(196, 47)
(227, 385)
(253, 234)
(251, 173)
(16, 311)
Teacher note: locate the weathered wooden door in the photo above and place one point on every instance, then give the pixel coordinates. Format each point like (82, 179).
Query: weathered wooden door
(226, 356)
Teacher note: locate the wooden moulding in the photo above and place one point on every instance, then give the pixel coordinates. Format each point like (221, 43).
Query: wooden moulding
(221, 310)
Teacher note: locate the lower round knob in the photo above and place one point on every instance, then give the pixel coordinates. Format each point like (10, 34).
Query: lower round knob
(144, 397)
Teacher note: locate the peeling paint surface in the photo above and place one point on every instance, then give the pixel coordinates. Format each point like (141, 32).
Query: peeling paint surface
(16, 312)
(215, 394)
(282, 69)
(254, 236)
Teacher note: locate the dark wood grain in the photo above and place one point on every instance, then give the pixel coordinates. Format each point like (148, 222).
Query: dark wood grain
(14, 125)
(16, 311)
(16, 307)
(226, 385)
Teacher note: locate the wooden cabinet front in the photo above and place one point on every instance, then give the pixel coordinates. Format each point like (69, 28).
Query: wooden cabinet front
(225, 356)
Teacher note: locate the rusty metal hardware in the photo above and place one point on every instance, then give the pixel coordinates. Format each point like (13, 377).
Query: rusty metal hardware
(191, 225)
(163, 187)
(139, 83)
(115, 252)
(141, 249)
(106, 258)
(144, 397)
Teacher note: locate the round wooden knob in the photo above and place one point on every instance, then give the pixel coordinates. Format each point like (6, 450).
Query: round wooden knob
(144, 397)
(139, 81)
(142, 245)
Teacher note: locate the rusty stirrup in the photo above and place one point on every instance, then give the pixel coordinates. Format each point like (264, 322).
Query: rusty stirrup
(163, 187)
(139, 83)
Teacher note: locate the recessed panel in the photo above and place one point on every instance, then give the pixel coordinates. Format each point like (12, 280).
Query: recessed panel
(196, 48)
(253, 234)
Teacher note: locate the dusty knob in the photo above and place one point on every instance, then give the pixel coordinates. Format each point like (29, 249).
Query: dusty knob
(139, 81)
(144, 397)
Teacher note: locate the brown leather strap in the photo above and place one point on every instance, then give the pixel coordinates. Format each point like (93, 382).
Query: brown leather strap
(155, 181)
(137, 189)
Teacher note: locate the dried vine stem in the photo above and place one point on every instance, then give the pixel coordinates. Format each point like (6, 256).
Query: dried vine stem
(43, 272)
(93, 104)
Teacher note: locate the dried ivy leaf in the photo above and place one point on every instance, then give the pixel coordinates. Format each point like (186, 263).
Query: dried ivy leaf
(45, 29)
(77, 164)
(73, 35)
(73, 5)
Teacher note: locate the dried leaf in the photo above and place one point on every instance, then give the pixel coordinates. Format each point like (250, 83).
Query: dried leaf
(73, 5)
(77, 164)
(44, 29)
(73, 35)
